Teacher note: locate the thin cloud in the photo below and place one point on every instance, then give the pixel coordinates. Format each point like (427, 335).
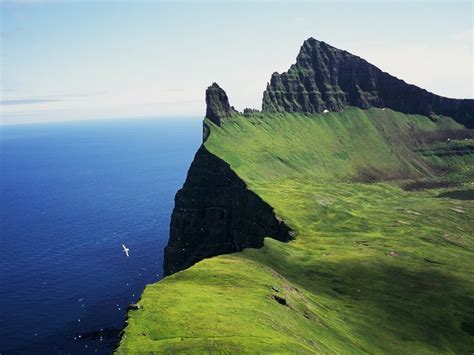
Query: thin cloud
(100, 93)
(26, 101)
(465, 36)
(172, 91)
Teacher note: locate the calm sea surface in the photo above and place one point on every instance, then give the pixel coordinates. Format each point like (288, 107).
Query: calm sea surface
(70, 195)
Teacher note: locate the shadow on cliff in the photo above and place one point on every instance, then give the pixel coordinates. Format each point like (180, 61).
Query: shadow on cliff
(215, 213)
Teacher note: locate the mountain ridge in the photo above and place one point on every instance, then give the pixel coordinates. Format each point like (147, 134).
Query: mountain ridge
(328, 78)
(381, 261)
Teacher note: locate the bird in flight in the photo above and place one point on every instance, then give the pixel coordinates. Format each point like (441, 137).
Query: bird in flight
(125, 249)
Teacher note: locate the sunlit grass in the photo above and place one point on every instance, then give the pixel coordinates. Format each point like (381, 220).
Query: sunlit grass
(373, 268)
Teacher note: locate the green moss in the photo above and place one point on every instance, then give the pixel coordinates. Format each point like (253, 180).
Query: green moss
(373, 269)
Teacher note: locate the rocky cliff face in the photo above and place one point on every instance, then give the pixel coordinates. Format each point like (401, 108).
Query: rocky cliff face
(216, 214)
(217, 103)
(325, 77)
(218, 107)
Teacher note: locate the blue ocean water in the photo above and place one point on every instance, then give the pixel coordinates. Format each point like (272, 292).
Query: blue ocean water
(71, 194)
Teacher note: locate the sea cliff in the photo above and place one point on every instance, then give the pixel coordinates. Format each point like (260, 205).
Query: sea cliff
(215, 213)
(360, 165)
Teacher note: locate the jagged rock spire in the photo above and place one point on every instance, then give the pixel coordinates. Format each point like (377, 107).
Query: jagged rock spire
(218, 106)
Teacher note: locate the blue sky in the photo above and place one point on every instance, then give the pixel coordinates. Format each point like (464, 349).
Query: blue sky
(68, 60)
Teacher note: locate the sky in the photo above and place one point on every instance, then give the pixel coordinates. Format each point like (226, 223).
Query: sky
(79, 60)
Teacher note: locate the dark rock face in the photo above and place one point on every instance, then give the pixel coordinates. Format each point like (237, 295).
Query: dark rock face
(216, 214)
(218, 106)
(325, 77)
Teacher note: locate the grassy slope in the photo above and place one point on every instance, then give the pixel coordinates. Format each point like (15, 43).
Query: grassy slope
(346, 292)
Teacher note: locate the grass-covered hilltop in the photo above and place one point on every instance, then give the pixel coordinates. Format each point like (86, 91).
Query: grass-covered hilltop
(339, 219)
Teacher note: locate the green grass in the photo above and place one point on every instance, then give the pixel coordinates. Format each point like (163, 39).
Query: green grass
(373, 268)
(338, 146)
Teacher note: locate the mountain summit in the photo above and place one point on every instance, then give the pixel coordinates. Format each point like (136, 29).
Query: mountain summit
(325, 77)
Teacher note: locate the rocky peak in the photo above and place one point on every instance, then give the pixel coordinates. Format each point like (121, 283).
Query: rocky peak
(218, 106)
(313, 49)
(327, 78)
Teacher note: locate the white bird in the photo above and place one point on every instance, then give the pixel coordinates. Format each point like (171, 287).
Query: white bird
(125, 249)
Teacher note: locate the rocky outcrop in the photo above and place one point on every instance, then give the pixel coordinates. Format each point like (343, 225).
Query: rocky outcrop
(218, 106)
(216, 214)
(325, 77)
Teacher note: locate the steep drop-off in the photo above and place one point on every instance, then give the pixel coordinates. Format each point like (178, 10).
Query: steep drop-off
(216, 214)
(325, 77)
(375, 268)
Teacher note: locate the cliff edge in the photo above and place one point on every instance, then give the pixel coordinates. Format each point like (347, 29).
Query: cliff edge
(381, 201)
(215, 213)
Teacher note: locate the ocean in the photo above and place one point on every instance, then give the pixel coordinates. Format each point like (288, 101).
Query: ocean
(71, 195)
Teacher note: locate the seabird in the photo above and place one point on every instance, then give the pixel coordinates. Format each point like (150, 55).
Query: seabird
(125, 249)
